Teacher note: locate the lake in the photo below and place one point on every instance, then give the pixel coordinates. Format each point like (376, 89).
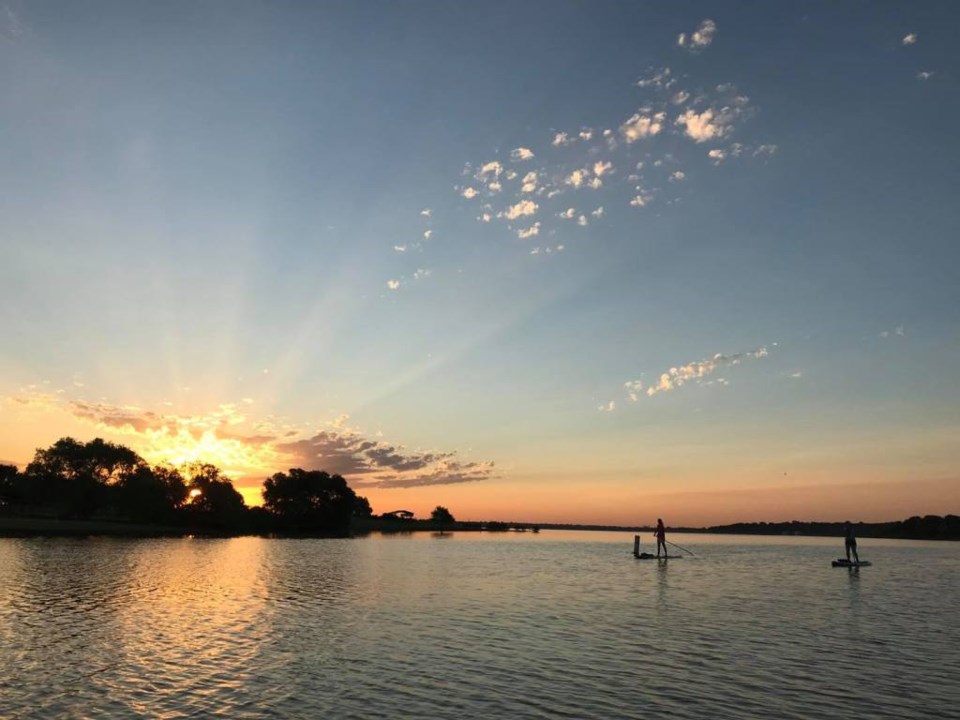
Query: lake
(552, 625)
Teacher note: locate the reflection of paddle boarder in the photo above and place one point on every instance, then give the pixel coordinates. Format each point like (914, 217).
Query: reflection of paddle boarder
(850, 542)
(661, 534)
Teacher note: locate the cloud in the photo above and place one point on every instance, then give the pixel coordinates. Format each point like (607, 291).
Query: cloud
(910, 39)
(708, 125)
(700, 38)
(925, 74)
(598, 213)
(393, 284)
(568, 214)
(582, 221)
(678, 176)
(529, 182)
(421, 273)
(425, 212)
(680, 98)
(469, 193)
(521, 153)
(609, 407)
(492, 168)
(641, 126)
(521, 209)
(657, 78)
(529, 232)
(601, 167)
(400, 248)
(641, 200)
(427, 234)
(796, 375)
(245, 447)
(898, 331)
(694, 372)
(575, 179)
(561, 139)
(717, 155)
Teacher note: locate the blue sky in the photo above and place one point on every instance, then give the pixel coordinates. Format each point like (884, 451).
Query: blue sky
(455, 249)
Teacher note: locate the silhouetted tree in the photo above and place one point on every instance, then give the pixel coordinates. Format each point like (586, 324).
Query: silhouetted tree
(10, 486)
(76, 478)
(310, 501)
(151, 494)
(361, 507)
(441, 515)
(212, 501)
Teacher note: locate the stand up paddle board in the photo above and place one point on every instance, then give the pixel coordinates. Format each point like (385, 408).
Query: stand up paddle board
(843, 562)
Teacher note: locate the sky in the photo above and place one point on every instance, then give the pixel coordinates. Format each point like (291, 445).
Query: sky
(592, 262)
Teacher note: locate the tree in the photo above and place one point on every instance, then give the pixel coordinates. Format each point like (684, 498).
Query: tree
(10, 486)
(361, 507)
(77, 478)
(441, 515)
(151, 494)
(310, 501)
(212, 499)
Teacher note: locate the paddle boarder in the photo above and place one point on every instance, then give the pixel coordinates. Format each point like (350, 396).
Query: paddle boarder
(661, 534)
(850, 541)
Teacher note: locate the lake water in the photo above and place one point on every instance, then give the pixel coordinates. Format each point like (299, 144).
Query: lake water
(553, 625)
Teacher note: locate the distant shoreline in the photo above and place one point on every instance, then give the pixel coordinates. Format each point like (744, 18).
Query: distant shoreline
(930, 527)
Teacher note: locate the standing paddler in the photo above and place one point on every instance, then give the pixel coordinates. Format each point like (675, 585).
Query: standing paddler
(850, 542)
(661, 534)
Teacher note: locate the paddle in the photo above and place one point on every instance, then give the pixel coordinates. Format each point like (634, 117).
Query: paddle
(680, 548)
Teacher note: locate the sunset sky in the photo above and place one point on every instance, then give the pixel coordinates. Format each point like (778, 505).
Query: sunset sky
(541, 261)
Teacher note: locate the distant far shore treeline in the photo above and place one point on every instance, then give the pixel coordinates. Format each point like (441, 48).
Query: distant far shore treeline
(928, 527)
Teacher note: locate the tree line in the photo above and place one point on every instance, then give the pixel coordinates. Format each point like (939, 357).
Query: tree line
(99, 480)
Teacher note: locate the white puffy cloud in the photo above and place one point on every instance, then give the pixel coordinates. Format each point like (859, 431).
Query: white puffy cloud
(469, 193)
(529, 232)
(425, 212)
(678, 176)
(641, 126)
(595, 183)
(400, 248)
(609, 407)
(680, 98)
(717, 155)
(925, 74)
(494, 187)
(576, 178)
(601, 168)
(560, 139)
(641, 200)
(393, 284)
(586, 134)
(910, 39)
(700, 38)
(529, 184)
(427, 234)
(568, 214)
(521, 153)
(582, 221)
(493, 168)
(521, 209)
(598, 213)
(708, 125)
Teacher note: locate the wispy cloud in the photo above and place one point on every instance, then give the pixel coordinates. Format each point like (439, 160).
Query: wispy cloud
(909, 39)
(699, 39)
(898, 331)
(694, 372)
(529, 232)
(925, 74)
(521, 153)
(521, 209)
(244, 446)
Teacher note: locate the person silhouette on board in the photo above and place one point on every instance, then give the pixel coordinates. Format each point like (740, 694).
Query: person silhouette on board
(850, 542)
(661, 534)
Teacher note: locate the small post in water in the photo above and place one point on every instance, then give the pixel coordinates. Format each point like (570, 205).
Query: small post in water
(636, 546)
